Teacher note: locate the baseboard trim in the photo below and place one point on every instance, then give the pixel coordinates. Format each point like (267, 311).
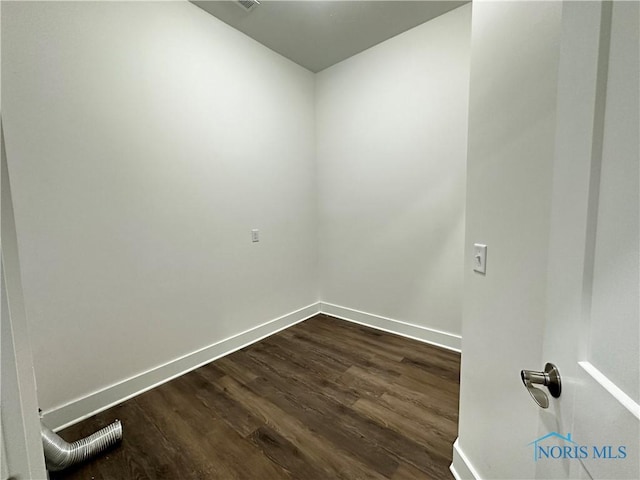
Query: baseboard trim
(438, 338)
(461, 467)
(84, 407)
(81, 408)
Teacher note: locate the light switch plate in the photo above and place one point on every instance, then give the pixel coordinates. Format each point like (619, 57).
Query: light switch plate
(480, 258)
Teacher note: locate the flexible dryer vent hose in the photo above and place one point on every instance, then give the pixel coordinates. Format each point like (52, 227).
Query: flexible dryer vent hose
(60, 454)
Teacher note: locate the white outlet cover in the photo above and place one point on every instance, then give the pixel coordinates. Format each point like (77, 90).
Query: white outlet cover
(480, 258)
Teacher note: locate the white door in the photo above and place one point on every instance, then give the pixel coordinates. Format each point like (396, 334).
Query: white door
(593, 323)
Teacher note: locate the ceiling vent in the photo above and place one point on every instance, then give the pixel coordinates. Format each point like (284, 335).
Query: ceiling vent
(248, 5)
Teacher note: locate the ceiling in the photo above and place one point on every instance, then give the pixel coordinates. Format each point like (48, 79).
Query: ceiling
(318, 34)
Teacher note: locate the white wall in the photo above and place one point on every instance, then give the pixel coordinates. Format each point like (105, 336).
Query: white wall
(512, 120)
(391, 146)
(145, 141)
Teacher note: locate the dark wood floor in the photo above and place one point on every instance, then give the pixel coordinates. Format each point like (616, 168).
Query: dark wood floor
(325, 399)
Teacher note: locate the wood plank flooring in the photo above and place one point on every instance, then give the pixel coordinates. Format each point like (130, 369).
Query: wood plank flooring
(324, 399)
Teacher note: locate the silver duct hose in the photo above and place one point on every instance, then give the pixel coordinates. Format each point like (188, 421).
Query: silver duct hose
(60, 454)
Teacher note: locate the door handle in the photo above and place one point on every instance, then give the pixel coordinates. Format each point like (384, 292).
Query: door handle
(550, 378)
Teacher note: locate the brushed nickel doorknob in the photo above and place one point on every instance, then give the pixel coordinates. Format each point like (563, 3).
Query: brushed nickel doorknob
(549, 378)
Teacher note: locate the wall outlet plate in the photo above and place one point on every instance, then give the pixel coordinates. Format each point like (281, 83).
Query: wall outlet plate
(480, 258)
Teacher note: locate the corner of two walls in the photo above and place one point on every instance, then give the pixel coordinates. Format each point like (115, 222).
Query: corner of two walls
(391, 148)
(145, 140)
(355, 178)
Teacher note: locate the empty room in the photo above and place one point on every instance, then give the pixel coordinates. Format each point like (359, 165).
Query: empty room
(320, 239)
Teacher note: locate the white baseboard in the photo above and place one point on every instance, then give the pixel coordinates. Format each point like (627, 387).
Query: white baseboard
(438, 338)
(84, 407)
(461, 467)
(81, 408)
